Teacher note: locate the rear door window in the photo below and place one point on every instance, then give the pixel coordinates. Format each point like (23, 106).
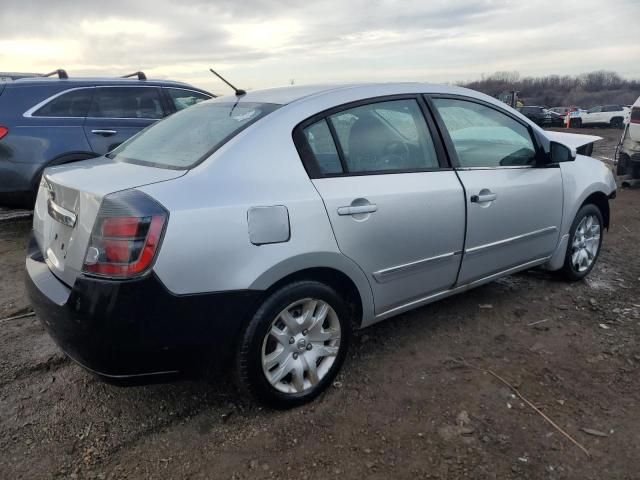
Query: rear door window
(385, 137)
(182, 98)
(74, 103)
(126, 102)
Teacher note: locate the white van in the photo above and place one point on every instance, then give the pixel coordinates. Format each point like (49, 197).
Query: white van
(629, 154)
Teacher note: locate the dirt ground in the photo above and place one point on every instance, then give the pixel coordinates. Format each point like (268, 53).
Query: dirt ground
(401, 408)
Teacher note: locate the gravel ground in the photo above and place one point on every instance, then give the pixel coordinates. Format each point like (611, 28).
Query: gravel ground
(403, 407)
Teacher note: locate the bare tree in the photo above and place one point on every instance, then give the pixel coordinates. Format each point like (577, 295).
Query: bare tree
(585, 90)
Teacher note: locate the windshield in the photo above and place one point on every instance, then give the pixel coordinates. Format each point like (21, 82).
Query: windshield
(187, 137)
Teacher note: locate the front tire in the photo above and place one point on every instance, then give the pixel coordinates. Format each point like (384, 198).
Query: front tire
(622, 166)
(294, 345)
(585, 240)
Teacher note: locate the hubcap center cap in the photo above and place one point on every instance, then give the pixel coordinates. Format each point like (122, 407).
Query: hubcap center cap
(302, 344)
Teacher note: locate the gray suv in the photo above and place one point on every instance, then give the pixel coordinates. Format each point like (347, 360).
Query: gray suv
(256, 231)
(50, 121)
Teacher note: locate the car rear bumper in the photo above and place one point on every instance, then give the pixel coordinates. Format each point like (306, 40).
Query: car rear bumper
(137, 327)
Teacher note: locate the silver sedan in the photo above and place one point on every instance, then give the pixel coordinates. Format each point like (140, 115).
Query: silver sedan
(254, 232)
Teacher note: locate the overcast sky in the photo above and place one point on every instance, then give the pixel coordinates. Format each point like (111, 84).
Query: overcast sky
(263, 43)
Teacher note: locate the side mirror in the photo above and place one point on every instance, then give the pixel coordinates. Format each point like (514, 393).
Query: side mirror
(561, 153)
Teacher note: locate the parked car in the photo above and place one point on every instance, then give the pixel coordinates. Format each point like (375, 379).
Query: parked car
(557, 120)
(602, 116)
(629, 152)
(561, 110)
(51, 121)
(541, 116)
(256, 231)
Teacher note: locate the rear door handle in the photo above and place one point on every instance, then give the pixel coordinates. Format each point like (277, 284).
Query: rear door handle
(104, 133)
(484, 197)
(354, 210)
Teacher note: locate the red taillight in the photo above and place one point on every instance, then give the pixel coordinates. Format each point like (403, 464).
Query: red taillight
(126, 236)
(635, 115)
(3, 132)
(120, 226)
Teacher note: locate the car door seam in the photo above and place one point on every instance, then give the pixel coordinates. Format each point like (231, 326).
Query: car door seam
(326, 211)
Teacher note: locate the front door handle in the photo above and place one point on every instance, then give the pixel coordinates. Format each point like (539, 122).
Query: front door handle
(104, 133)
(355, 210)
(484, 197)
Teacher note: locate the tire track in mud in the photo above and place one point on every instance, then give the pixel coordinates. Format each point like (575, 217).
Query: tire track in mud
(51, 365)
(26, 350)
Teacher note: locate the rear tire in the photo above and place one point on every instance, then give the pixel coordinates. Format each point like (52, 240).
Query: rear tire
(616, 122)
(585, 241)
(294, 345)
(575, 123)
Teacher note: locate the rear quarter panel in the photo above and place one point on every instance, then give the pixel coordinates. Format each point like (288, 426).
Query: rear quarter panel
(206, 247)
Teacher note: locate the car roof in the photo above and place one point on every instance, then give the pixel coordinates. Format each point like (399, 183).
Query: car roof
(287, 95)
(303, 102)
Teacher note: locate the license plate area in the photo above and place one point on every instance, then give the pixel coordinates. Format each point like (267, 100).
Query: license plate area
(59, 238)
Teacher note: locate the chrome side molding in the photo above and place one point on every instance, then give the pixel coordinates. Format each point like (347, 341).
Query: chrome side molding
(457, 289)
(388, 274)
(508, 241)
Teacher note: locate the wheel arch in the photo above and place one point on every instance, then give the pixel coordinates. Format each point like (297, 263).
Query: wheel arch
(335, 270)
(594, 195)
(62, 159)
(600, 200)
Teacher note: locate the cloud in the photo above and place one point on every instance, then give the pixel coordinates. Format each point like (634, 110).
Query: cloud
(261, 43)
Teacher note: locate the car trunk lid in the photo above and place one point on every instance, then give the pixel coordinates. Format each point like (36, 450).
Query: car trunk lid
(68, 201)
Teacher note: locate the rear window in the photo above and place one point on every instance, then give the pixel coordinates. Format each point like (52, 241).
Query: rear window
(73, 103)
(187, 137)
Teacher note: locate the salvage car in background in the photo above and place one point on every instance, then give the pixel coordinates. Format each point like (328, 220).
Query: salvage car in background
(613, 116)
(50, 121)
(256, 231)
(560, 110)
(629, 152)
(541, 116)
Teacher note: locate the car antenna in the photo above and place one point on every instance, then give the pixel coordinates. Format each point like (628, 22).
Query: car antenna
(239, 91)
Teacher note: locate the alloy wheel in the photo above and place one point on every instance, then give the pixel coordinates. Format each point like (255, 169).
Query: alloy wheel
(586, 243)
(301, 345)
